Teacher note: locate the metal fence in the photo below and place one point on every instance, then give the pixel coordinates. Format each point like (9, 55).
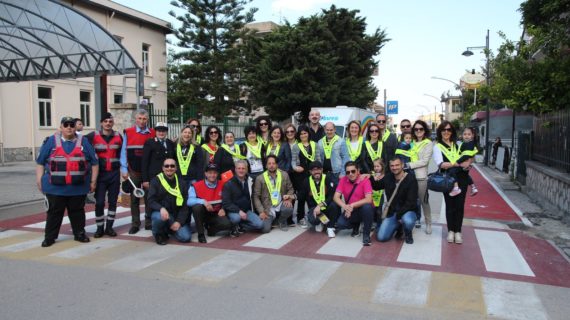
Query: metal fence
(551, 138)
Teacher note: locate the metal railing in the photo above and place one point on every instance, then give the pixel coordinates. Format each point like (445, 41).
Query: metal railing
(550, 143)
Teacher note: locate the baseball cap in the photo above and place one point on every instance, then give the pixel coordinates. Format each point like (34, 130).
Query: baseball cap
(105, 116)
(315, 164)
(213, 166)
(161, 125)
(67, 119)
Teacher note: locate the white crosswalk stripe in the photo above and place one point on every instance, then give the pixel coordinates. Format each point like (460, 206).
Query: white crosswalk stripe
(88, 249)
(501, 254)
(426, 249)
(342, 245)
(390, 290)
(275, 239)
(499, 296)
(307, 276)
(144, 259)
(222, 266)
(88, 215)
(11, 233)
(30, 244)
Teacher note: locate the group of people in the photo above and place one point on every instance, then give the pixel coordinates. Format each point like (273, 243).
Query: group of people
(277, 178)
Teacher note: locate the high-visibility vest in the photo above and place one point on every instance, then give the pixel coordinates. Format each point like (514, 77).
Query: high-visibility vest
(67, 168)
(108, 153)
(135, 144)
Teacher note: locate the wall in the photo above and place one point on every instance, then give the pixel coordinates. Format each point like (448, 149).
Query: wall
(549, 184)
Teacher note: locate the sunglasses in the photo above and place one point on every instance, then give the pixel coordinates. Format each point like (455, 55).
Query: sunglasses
(373, 131)
(213, 132)
(353, 171)
(69, 124)
(191, 126)
(169, 166)
(263, 124)
(408, 126)
(381, 121)
(447, 129)
(418, 129)
(290, 131)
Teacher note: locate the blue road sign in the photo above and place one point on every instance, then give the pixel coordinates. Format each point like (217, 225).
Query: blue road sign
(392, 107)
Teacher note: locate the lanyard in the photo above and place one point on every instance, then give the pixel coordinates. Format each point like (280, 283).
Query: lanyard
(209, 150)
(270, 146)
(328, 146)
(318, 196)
(236, 154)
(417, 148)
(374, 154)
(273, 189)
(354, 154)
(182, 160)
(385, 136)
(173, 191)
(452, 154)
(256, 150)
(310, 157)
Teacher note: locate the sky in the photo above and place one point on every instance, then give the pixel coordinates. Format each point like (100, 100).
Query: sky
(427, 39)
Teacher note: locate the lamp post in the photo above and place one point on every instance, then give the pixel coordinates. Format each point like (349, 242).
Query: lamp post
(469, 53)
(457, 87)
(438, 99)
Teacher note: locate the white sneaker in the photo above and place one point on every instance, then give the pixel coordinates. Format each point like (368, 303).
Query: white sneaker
(331, 233)
(456, 191)
(474, 190)
(428, 228)
(450, 236)
(319, 227)
(458, 238)
(303, 223)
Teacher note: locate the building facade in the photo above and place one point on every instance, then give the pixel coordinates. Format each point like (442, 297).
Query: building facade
(31, 110)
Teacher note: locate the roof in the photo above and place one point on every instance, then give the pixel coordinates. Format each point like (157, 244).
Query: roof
(47, 39)
(131, 13)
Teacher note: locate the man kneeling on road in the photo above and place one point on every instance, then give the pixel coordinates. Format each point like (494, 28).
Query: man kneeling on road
(205, 199)
(402, 206)
(273, 195)
(319, 190)
(167, 198)
(356, 192)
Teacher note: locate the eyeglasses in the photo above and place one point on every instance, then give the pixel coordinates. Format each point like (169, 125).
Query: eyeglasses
(353, 171)
(261, 124)
(69, 125)
(191, 126)
(213, 132)
(418, 129)
(447, 129)
(381, 121)
(169, 166)
(406, 126)
(373, 131)
(290, 131)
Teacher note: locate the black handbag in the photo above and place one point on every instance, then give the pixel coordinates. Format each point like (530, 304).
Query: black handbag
(440, 181)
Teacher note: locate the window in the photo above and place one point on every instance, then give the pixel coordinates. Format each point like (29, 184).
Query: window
(456, 106)
(44, 104)
(146, 58)
(118, 98)
(85, 107)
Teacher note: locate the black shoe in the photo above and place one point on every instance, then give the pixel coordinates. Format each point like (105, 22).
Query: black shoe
(355, 231)
(240, 229)
(81, 238)
(99, 232)
(409, 239)
(399, 233)
(133, 230)
(234, 233)
(366, 240)
(47, 243)
(148, 224)
(110, 232)
(160, 240)
(202, 238)
(211, 233)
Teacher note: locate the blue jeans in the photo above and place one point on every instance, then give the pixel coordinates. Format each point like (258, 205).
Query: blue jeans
(390, 224)
(162, 227)
(331, 212)
(363, 214)
(251, 222)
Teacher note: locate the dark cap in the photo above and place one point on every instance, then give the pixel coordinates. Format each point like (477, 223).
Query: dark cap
(315, 164)
(105, 116)
(213, 166)
(67, 119)
(161, 126)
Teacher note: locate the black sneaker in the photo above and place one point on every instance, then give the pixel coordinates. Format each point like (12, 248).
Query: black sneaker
(409, 238)
(240, 229)
(366, 240)
(355, 231)
(110, 232)
(234, 233)
(147, 224)
(99, 233)
(160, 239)
(133, 230)
(399, 233)
(47, 243)
(202, 238)
(81, 237)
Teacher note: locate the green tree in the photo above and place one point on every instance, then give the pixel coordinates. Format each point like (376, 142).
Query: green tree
(323, 60)
(211, 61)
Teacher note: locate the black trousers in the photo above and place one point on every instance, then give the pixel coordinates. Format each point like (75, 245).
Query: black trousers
(108, 184)
(455, 206)
(135, 202)
(213, 220)
(75, 206)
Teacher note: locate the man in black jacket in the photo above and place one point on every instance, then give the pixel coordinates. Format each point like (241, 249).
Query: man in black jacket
(388, 138)
(155, 151)
(402, 208)
(167, 198)
(323, 211)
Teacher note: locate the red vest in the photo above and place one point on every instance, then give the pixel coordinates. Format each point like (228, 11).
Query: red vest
(135, 143)
(209, 194)
(67, 168)
(108, 153)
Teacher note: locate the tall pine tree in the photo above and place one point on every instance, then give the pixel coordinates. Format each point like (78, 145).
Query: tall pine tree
(211, 58)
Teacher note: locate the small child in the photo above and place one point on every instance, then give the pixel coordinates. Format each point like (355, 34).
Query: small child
(377, 194)
(467, 150)
(404, 150)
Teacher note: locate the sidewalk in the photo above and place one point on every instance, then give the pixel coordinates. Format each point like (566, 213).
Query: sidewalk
(18, 184)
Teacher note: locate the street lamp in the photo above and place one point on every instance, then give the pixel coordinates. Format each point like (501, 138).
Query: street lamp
(469, 53)
(457, 86)
(438, 99)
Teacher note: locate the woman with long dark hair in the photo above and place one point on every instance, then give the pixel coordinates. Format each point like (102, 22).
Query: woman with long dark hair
(263, 128)
(228, 153)
(445, 155)
(212, 142)
(195, 125)
(279, 148)
(422, 151)
(252, 149)
(373, 148)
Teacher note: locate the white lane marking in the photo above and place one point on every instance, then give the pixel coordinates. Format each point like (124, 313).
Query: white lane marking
(31, 244)
(442, 218)
(390, 289)
(504, 196)
(87, 249)
(489, 224)
(512, 300)
(11, 233)
(141, 234)
(141, 260)
(342, 245)
(500, 253)
(307, 276)
(275, 239)
(88, 215)
(426, 248)
(118, 223)
(208, 238)
(222, 266)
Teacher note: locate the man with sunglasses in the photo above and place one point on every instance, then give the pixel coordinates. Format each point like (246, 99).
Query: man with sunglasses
(131, 162)
(356, 201)
(67, 169)
(316, 131)
(389, 139)
(405, 127)
(107, 144)
(167, 196)
(155, 151)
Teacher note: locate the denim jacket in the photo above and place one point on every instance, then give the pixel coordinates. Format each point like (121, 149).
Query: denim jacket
(339, 155)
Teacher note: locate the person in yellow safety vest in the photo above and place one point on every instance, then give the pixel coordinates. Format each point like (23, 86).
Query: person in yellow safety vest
(404, 151)
(467, 150)
(389, 139)
(377, 194)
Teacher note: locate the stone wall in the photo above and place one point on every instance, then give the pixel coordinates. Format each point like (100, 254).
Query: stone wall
(17, 154)
(123, 114)
(550, 184)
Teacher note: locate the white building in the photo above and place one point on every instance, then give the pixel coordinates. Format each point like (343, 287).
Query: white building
(31, 110)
